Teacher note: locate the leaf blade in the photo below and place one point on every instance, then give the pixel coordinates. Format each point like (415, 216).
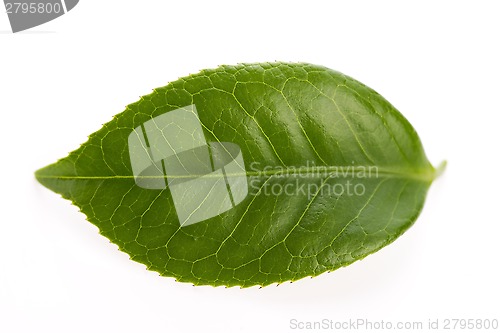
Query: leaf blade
(282, 116)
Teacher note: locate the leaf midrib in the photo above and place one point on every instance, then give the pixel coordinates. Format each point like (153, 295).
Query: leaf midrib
(312, 172)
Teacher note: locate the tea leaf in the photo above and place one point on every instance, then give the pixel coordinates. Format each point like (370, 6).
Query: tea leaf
(250, 175)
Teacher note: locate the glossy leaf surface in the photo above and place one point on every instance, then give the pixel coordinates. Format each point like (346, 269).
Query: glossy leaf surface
(333, 173)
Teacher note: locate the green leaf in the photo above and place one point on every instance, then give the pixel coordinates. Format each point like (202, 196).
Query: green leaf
(250, 175)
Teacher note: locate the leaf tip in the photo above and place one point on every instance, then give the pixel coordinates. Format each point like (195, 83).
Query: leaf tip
(39, 175)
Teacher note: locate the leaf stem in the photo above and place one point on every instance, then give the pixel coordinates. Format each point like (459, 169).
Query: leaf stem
(440, 169)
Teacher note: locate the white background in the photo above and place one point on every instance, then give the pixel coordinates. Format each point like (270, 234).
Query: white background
(437, 62)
